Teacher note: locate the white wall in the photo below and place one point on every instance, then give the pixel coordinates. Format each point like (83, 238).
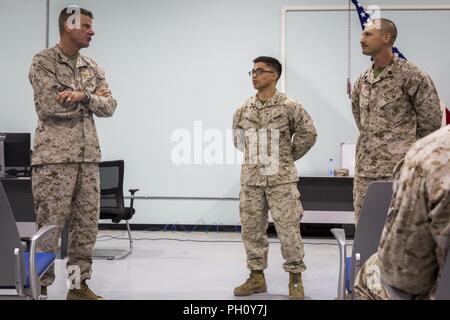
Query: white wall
(22, 33)
(174, 62)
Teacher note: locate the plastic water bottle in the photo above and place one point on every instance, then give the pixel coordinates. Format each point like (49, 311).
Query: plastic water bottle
(330, 168)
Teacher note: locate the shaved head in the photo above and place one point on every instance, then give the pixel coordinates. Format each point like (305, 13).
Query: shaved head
(387, 26)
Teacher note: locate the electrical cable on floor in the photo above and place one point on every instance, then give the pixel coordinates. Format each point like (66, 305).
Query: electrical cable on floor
(119, 237)
(173, 227)
(181, 228)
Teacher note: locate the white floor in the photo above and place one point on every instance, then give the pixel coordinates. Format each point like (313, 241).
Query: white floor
(198, 265)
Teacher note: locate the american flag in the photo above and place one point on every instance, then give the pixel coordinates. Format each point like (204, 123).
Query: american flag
(447, 116)
(365, 18)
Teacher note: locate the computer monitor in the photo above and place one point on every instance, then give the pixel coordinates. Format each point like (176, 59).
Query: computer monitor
(15, 153)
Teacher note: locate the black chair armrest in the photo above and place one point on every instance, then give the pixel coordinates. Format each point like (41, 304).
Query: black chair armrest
(27, 241)
(132, 192)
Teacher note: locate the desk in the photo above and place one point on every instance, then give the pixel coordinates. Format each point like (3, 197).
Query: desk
(327, 199)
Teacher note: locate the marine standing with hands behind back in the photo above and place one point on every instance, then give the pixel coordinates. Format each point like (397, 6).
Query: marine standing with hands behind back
(273, 131)
(69, 89)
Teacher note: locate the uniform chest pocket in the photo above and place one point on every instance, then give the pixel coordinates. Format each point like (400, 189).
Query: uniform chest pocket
(65, 79)
(249, 121)
(389, 98)
(65, 83)
(277, 120)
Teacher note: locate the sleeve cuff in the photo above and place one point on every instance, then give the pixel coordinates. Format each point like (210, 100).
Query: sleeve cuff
(87, 100)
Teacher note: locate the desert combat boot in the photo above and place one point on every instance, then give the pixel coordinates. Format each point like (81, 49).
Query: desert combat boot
(256, 283)
(84, 293)
(296, 291)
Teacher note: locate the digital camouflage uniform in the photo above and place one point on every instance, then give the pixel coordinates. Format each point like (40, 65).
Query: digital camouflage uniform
(416, 237)
(391, 111)
(66, 153)
(269, 179)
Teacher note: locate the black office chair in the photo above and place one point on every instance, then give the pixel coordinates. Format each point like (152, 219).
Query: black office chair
(367, 237)
(112, 205)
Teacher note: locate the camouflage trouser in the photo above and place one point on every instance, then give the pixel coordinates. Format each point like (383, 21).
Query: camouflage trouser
(286, 210)
(72, 192)
(360, 186)
(368, 284)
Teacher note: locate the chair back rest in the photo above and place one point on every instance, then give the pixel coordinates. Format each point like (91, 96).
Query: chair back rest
(9, 241)
(443, 283)
(111, 184)
(20, 199)
(371, 223)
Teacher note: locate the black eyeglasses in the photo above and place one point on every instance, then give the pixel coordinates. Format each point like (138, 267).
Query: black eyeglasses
(258, 72)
